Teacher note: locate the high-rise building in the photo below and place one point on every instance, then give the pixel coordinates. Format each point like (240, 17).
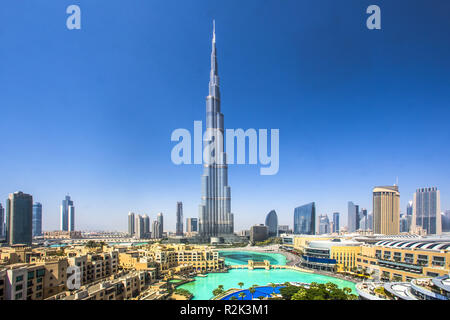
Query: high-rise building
(131, 223)
(191, 225)
(272, 223)
(403, 223)
(386, 210)
(139, 227)
(2, 220)
(305, 219)
(363, 219)
(336, 222)
(179, 223)
(446, 221)
(259, 233)
(19, 212)
(370, 221)
(146, 226)
(67, 215)
(156, 230)
(324, 224)
(215, 217)
(409, 208)
(282, 228)
(353, 217)
(160, 220)
(37, 219)
(427, 210)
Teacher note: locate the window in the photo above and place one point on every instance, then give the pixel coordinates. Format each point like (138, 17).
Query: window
(18, 295)
(30, 275)
(438, 261)
(19, 287)
(40, 273)
(19, 278)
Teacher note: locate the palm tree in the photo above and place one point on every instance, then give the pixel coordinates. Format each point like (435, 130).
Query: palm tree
(252, 291)
(240, 284)
(274, 286)
(220, 286)
(242, 295)
(233, 298)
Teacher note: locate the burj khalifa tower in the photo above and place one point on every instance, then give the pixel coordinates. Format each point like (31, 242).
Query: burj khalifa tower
(215, 217)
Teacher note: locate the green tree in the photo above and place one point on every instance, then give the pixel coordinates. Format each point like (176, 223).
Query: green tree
(274, 286)
(242, 295)
(233, 298)
(252, 291)
(240, 284)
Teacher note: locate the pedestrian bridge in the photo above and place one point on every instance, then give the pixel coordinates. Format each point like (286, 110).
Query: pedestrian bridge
(265, 265)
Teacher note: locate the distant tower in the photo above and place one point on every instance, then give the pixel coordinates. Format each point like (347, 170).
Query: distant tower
(427, 210)
(67, 215)
(386, 210)
(160, 219)
(19, 212)
(37, 219)
(353, 217)
(131, 223)
(139, 227)
(146, 225)
(324, 224)
(272, 223)
(156, 230)
(191, 225)
(336, 222)
(179, 223)
(305, 219)
(2, 220)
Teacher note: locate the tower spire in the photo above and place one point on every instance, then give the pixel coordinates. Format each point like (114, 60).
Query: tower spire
(214, 31)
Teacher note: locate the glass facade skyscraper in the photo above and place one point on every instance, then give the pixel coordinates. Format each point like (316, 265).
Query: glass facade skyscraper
(179, 223)
(272, 223)
(2, 220)
(336, 222)
(160, 219)
(37, 219)
(353, 217)
(427, 210)
(324, 224)
(215, 217)
(305, 219)
(67, 215)
(19, 224)
(131, 223)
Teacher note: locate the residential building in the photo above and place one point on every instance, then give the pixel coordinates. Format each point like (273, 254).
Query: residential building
(19, 225)
(427, 210)
(386, 210)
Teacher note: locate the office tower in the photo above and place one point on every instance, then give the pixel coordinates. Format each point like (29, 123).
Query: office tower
(156, 230)
(305, 219)
(353, 217)
(37, 219)
(131, 223)
(259, 233)
(160, 220)
(336, 222)
(386, 210)
(71, 218)
(403, 223)
(179, 224)
(284, 229)
(409, 208)
(370, 221)
(67, 211)
(324, 224)
(427, 210)
(191, 225)
(2, 221)
(146, 226)
(139, 227)
(215, 217)
(409, 215)
(446, 221)
(363, 219)
(19, 224)
(272, 223)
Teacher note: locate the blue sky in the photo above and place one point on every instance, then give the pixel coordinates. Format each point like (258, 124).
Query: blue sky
(90, 112)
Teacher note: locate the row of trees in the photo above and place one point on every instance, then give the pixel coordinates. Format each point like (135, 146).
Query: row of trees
(316, 291)
(220, 290)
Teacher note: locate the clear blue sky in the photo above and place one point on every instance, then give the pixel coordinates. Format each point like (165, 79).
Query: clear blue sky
(90, 112)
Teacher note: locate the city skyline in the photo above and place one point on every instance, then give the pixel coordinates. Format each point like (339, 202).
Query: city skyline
(118, 157)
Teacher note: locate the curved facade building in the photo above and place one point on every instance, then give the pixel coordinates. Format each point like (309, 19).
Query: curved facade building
(272, 223)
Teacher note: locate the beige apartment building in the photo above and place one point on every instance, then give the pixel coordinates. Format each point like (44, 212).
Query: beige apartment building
(386, 210)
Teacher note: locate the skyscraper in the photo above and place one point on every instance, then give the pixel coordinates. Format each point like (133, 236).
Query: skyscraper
(37, 219)
(139, 227)
(146, 226)
(179, 223)
(2, 220)
(191, 225)
(215, 217)
(272, 223)
(131, 223)
(386, 210)
(305, 219)
(67, 211)
(353, 217)
(446, 221)
(427, 210)
(363, 223)
(324, 224)
(19, 225)
(336, 222)
(160, 220)
(156, 230)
